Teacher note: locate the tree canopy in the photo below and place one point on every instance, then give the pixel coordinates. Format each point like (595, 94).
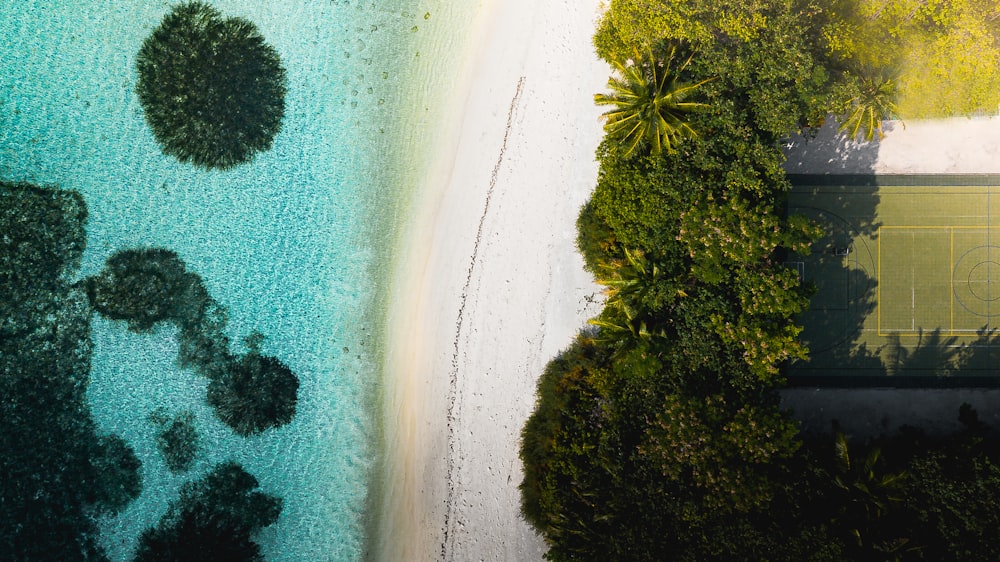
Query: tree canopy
(944, 54)
(657, 434)
(649, 102)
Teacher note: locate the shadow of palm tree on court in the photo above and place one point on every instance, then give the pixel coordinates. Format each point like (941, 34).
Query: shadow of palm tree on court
(938, 356)
(931, 355)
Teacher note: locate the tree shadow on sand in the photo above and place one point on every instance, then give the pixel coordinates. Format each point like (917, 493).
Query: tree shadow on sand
(827, 151)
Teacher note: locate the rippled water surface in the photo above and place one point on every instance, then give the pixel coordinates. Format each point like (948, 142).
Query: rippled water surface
(293, 245)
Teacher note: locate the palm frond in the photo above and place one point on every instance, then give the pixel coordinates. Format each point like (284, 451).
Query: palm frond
(650, 104)
(873, 103)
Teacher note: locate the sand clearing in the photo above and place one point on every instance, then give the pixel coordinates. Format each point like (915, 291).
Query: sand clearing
(489, 285)
(958, 145)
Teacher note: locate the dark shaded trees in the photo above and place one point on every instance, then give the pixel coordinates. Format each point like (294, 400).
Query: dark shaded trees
(572, 457)
(658, 437)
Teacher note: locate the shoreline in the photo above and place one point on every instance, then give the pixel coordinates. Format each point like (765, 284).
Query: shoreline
(487, 284)
(405, 171)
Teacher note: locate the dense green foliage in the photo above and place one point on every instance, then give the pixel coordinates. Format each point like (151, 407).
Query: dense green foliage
(867, 101)
(215, 518)
(657, 435)
(56, 471)
(649, 104)
(945, 53)
(212, 90)
(177, 439)
(146, 286)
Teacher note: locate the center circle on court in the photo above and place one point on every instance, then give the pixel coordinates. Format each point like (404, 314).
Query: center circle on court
(976, 280)
(982, 274)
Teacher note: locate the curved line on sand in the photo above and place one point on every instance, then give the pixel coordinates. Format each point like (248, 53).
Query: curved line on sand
(453, 375)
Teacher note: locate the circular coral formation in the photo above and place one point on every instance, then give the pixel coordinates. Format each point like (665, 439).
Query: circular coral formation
(177, 440)
(258, 392)
(214, 518)
(212, 90)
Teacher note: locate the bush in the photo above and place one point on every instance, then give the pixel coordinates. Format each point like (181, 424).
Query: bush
(212, 90)
(594, 238)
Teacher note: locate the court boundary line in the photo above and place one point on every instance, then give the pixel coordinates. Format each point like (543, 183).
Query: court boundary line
(951, 331)
(818, 373)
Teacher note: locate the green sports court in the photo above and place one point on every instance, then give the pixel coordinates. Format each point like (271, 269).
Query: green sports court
(906, 278)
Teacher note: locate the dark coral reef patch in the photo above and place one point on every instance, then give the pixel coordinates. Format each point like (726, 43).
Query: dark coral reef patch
(177, 439)
(256, 393)
(212, 90)
(56, 470)
(146, 286)
(214, 519)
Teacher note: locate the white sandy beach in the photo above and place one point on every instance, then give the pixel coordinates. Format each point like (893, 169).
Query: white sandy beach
(488, 283)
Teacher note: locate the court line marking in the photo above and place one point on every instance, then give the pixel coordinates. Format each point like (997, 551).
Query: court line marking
(939, 227)
(951, 283)
(878, 281)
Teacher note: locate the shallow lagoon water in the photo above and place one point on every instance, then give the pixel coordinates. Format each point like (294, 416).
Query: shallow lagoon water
(293, 244)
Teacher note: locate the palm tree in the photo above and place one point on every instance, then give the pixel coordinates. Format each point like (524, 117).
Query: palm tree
(871, 100)
(649, 103)
(636, 291)
(871, 493)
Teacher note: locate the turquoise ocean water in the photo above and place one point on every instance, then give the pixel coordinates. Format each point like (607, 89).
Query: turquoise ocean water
(294, 244)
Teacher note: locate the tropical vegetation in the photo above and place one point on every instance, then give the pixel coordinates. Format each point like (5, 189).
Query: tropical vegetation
(649, 103)
(868, 99)
(945, 54)
(657, 434)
